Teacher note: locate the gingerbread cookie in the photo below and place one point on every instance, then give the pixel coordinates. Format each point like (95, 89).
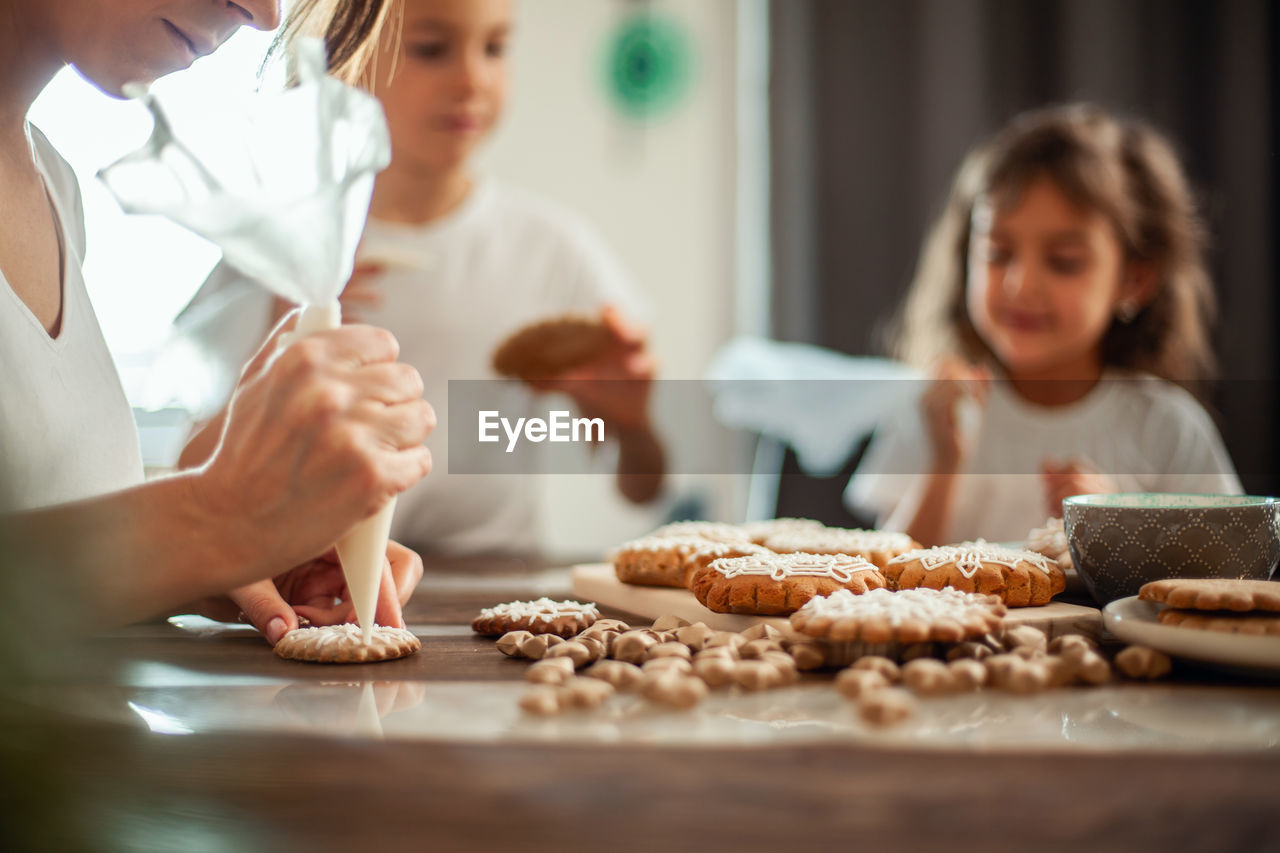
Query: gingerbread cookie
(549, 348)
(714, 530)
(1020, 578)
(672, 560)
(907, 616)
(345, 644)
(1257, 624)
(542, 616)
(878, 547)
(1214, 594)
(1051, 541)
(759, 531)
(778, 584)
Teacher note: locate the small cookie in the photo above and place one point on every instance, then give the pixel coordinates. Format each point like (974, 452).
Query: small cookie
(550, 347)
(779, 584)
(1214, 594)
(1020, 578)
(1223, 622)
(875, 546)
(345, 644)
(541, 616)
(907, 616)
(672, 560)
(1051, 541)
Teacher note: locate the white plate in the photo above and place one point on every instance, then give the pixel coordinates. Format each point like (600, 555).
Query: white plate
(1134, 621)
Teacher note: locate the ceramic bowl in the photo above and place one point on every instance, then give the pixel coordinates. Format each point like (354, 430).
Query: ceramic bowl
(1120, 542)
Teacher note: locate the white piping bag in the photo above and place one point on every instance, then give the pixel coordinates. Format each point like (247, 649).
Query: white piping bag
(282, 185)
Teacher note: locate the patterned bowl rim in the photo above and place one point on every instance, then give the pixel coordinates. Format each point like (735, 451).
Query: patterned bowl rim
(1168, 500)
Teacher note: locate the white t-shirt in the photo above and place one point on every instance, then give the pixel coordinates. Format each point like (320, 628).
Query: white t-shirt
(452, 290)
(66, 429)
(1146, 434)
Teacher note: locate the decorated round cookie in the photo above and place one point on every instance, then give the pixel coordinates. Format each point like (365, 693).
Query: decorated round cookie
(906, 616)
(345, 644)
(876, 546)
(759, 531)
(672, 560)
(779, 584)
(541, 616)
(716, 531)
(551, 347)
(1020, 578)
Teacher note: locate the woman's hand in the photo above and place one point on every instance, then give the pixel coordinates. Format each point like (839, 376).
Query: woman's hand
(954, 381)
(1076, 476)
(317, 437)
(317, 591)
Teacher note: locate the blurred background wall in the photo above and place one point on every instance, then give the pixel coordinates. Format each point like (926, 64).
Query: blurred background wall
(875, 102)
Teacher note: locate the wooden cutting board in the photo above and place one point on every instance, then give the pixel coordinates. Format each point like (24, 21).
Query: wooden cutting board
(597, 582)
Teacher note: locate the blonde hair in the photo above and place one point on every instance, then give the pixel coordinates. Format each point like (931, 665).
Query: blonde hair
(1123, 169)
(350, 29)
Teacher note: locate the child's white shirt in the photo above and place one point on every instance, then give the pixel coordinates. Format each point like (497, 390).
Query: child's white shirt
(452, 291)
(1146, 434)
(66, 429)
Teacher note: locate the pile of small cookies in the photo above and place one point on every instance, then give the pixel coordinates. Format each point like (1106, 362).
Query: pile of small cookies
(676, 663)
(773, 568)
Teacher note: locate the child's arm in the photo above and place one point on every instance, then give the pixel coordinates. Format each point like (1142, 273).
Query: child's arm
(954, 382)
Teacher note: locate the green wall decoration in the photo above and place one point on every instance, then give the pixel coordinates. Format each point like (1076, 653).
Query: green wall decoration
(648, 65)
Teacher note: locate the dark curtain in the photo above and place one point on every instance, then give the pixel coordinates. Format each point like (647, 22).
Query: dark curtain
(875, 102)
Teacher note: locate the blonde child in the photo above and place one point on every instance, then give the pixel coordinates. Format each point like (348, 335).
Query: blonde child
(1059, 300)
(452, 262)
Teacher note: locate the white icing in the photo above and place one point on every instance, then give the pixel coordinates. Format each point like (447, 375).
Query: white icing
(346, 636)
(969, 557)
(839, 540)
(925, 605)
(838, 567)
(764, 529)
(541, 609)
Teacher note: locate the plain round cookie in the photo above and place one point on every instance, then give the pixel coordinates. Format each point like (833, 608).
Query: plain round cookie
(540, 616)
(1019, 578)
(906, 616)
(779, 584)
(345, 644)
(1214, 594)
(1256, 623)
(551, 347)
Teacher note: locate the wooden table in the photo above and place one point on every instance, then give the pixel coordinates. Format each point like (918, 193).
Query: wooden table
(73, 781)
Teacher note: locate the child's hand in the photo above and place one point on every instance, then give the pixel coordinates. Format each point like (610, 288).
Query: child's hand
(954, 381)
(1074, 477)
(362, 291)
(615, 386)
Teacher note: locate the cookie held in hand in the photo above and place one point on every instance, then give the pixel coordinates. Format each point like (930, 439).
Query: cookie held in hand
(551, 347)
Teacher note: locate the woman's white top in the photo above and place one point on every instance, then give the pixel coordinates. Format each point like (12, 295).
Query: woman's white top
(66, 429)
(1146, 434)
